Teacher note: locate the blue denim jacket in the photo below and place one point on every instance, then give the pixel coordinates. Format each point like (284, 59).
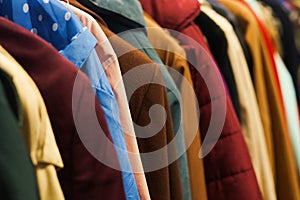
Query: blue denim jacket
(55, 23)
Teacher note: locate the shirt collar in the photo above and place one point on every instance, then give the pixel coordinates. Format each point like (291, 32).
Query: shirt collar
(49, 19)
(130, 9)
(55, 23)
(80, 47)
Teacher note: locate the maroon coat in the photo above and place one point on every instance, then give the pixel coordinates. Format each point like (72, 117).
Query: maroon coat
(83, 176)
(228, 169)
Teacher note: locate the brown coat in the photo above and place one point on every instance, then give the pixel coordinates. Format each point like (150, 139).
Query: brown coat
(140, 103)
(163, 183)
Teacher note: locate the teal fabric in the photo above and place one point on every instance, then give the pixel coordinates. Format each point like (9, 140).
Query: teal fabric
(129, 9)
(17, 176)
(122, 17)
(290, 104)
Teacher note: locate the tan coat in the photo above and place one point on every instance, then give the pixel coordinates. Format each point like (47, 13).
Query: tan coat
(173, 56)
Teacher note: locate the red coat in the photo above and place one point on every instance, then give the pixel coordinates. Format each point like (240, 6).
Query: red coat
(83, 176)
(228, 168)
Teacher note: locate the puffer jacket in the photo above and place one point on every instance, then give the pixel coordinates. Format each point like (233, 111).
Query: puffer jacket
(228, 169)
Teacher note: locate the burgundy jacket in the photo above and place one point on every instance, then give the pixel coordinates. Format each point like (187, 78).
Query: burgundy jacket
(228, 169)
(83, 176)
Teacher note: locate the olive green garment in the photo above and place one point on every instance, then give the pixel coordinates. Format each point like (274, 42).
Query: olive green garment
(36, 129)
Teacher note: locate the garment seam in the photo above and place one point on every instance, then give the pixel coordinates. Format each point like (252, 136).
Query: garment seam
(221, 179)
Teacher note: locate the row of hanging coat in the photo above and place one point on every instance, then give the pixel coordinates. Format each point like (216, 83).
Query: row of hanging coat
(150, 99)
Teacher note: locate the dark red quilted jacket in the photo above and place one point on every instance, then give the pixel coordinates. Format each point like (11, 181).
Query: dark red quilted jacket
(228, 169)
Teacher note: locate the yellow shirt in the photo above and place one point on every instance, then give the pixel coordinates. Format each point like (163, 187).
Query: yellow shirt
(36, 129)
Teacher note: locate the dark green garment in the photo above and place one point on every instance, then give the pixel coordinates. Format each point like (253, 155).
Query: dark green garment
(121, 17)
(17, 177)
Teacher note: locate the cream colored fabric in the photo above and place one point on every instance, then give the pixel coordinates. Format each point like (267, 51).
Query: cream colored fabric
(174, 57)
(269, 101)
(250, 117)
(111, 66)
(36, 129)
(252, 35)
(271, 23)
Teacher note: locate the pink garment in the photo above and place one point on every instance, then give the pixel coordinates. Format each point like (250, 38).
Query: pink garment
(110, 63)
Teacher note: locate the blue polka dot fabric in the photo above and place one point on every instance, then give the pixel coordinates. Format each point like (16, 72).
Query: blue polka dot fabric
(49, 19)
